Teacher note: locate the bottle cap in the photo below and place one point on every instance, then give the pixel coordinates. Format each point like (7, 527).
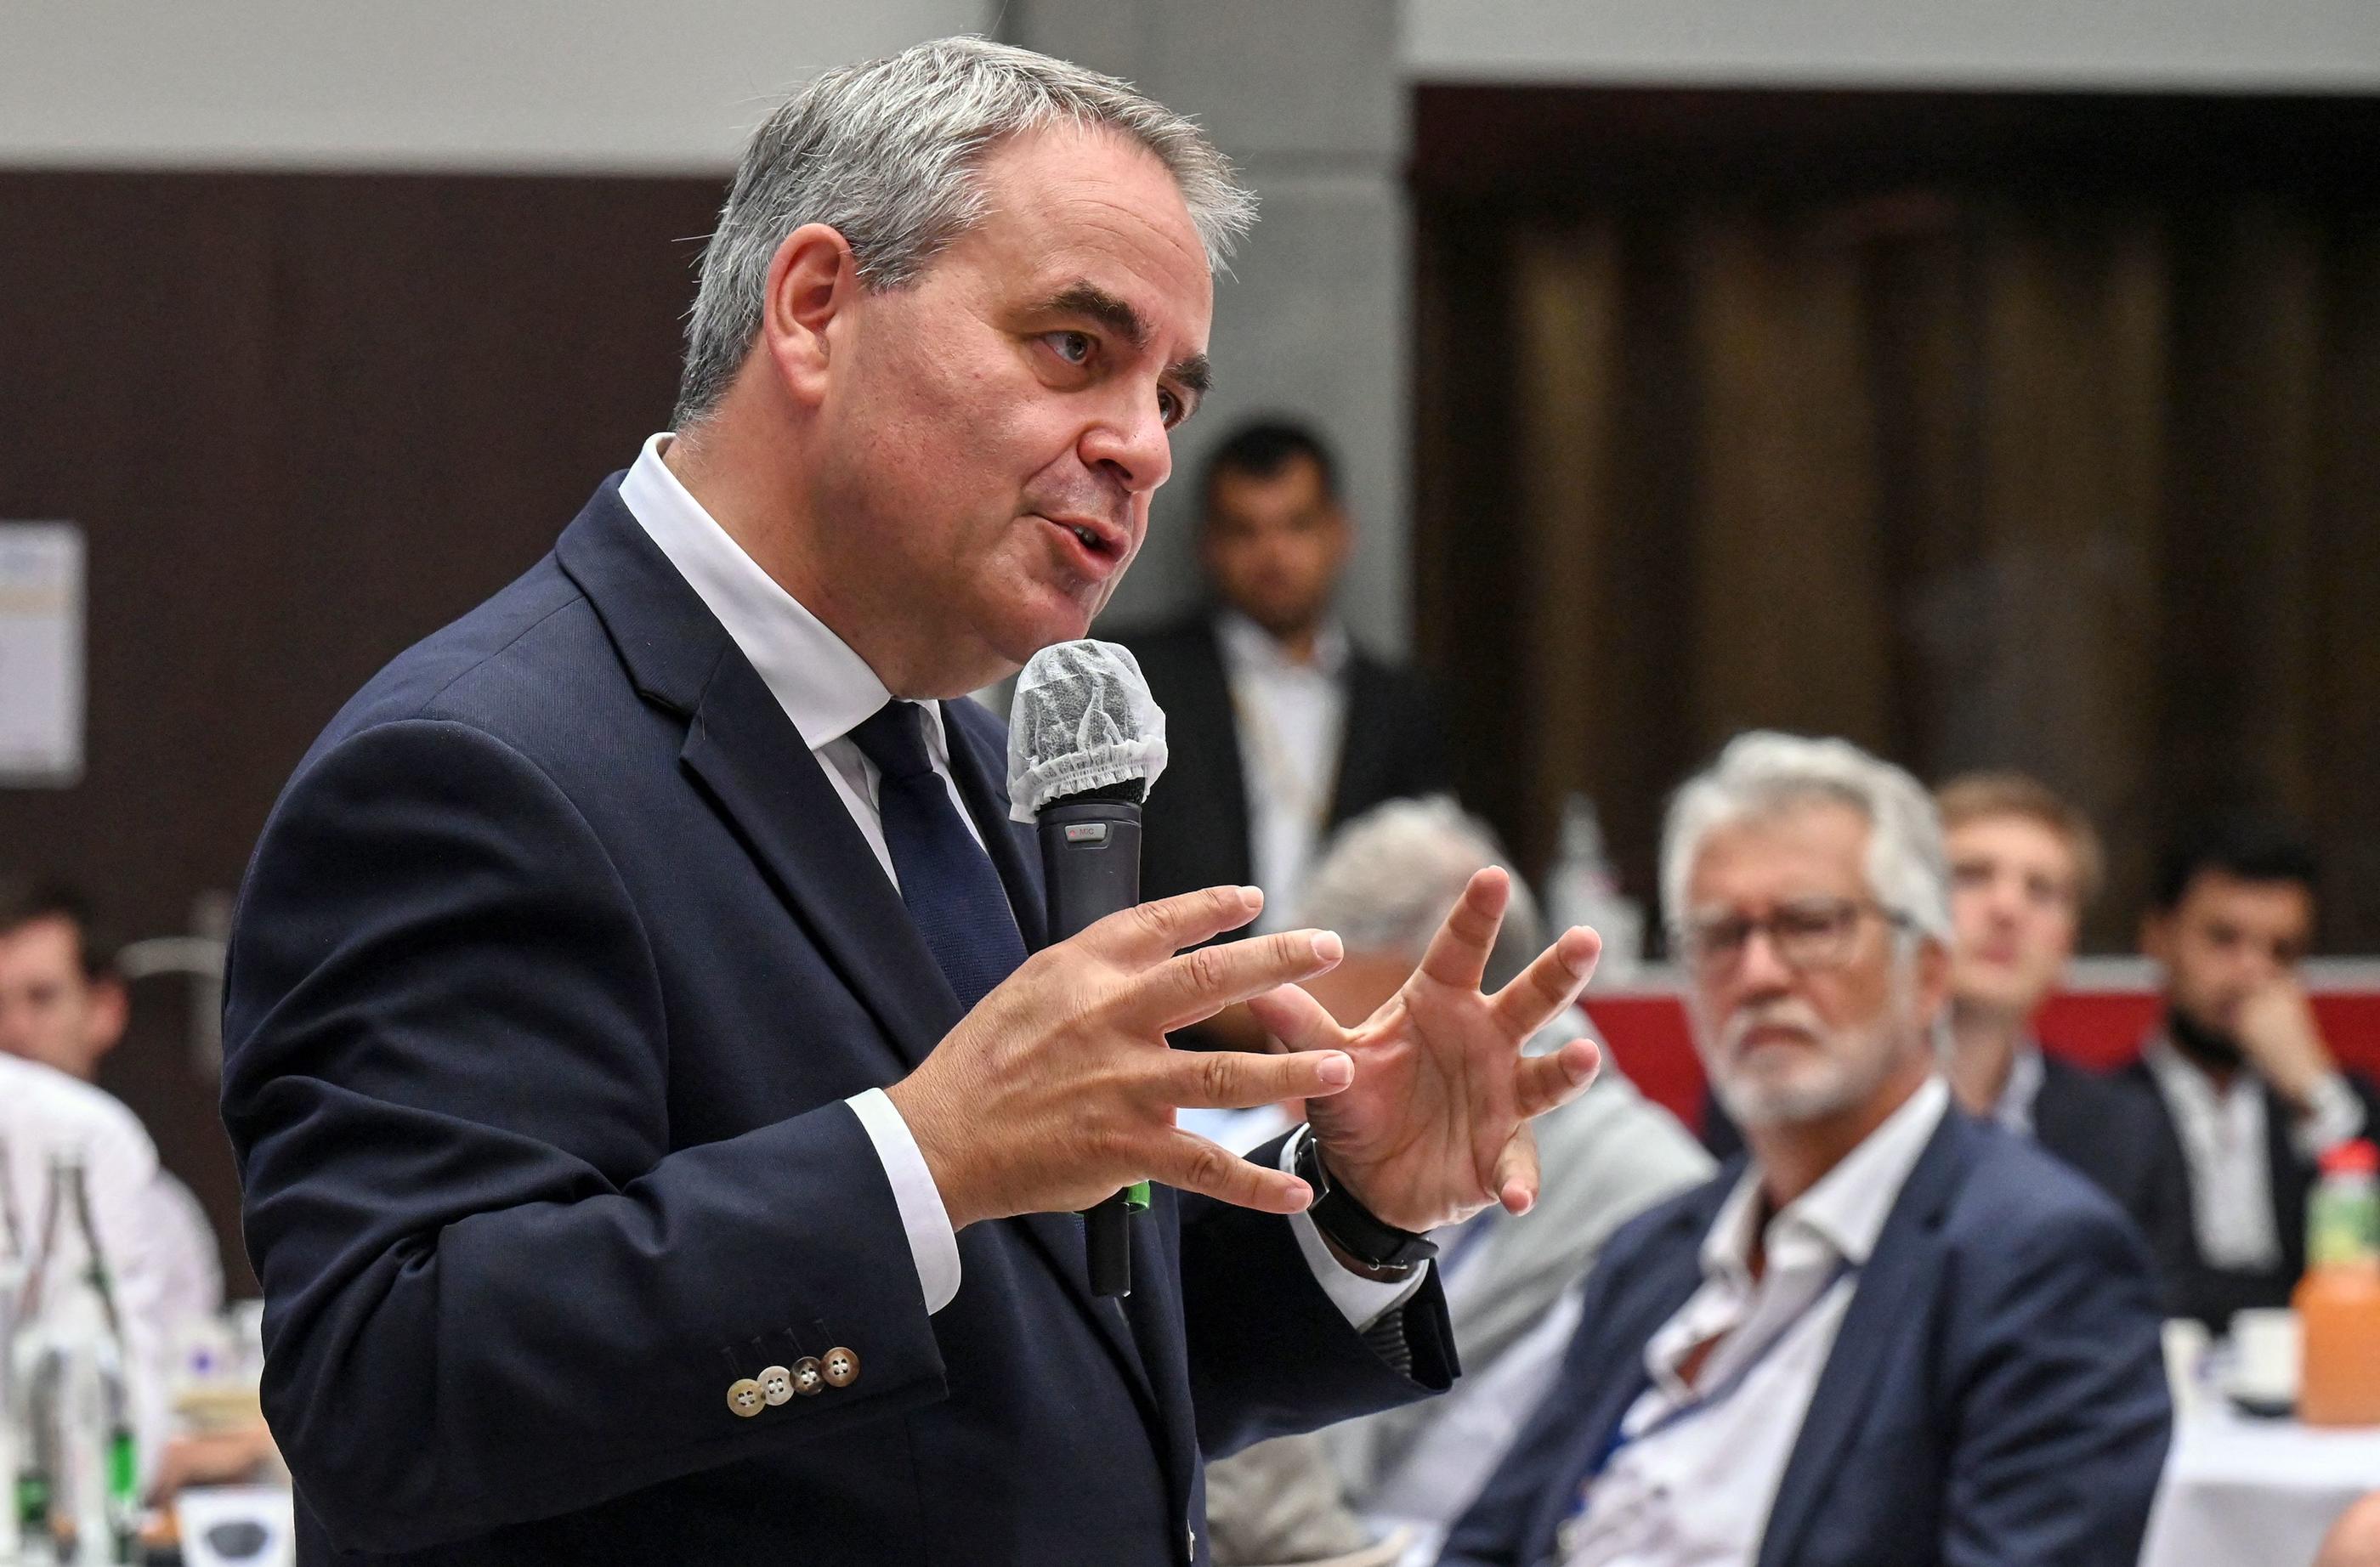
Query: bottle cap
(2355, 1158)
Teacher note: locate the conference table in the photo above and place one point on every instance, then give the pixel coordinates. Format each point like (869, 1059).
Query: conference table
(2239, 1490)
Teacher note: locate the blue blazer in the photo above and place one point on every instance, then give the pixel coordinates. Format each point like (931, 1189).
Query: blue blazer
(551, 970)
(1996, 1396)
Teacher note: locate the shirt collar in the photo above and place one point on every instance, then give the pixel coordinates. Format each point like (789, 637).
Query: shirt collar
(1846, 1210)
(1247, 646)
(2179, 1076)
(825, 687)
(2023, 1090)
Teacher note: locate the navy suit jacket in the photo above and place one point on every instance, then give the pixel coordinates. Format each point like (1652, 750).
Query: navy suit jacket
(1996, 1395)
(552, 968)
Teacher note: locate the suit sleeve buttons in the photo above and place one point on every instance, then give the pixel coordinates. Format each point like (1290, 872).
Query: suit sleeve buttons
(745, 1397)
(777, 1385)
(809, 1380)
(842, 1366)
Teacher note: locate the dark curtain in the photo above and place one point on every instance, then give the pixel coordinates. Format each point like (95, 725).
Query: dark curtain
(1983, 432)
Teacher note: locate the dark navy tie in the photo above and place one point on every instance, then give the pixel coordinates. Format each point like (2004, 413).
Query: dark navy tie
(952, 889)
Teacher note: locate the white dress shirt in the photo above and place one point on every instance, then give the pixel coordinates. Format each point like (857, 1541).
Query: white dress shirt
(1290, 718)
(827, 690)
(2027, 1072)
(2225, 1141)
(1697, 1473)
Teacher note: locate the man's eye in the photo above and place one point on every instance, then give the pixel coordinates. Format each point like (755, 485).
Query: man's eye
(1169, 408)
(1074, 348)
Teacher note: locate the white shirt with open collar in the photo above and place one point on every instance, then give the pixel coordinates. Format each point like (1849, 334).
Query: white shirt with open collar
(1697, 1492)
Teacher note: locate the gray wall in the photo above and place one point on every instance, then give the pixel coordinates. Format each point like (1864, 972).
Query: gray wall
(2244, 46)
(1310, 101)
(612, 86)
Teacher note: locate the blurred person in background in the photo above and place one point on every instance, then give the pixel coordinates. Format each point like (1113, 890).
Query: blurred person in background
(2024, 864)
(1280, 726)
(2242, 1085)
(1892, 1332)
(1385, 882)
(63, 1004)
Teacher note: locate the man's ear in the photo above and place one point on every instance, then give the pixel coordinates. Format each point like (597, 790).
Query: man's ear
(1932, 977)
(1343, 535)
(2157, 937)
(111, 1009)
(813, 283)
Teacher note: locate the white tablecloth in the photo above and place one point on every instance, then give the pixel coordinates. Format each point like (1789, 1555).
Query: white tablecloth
(2239, 1491)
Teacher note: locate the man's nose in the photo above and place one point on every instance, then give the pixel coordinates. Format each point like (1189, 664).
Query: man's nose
(1763, 971)
(1132, 447)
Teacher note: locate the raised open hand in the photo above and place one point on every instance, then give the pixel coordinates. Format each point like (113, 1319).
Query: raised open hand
(1435, 1125)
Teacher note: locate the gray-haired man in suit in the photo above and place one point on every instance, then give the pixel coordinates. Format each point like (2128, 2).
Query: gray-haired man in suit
(1384, 881)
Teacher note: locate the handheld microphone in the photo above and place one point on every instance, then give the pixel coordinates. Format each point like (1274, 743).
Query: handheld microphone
(1085, 741)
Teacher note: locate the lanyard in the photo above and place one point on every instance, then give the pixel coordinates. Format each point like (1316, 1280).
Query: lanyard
(1726, 1389)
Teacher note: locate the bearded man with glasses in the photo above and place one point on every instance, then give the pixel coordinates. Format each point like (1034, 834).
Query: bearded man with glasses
(1888, 1333)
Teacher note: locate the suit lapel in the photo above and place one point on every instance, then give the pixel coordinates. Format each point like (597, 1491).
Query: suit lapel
(757, 767)
(2292, 1181)
(1207, 728)
(981, 773)
(759, 771)
(1362, 740)
(1666, 1286)
(1594, 1393)
(1882, 1308)
(763, 776)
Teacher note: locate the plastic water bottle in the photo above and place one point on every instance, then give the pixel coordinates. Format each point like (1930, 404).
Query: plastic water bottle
(78, 1483)
(1582, 889)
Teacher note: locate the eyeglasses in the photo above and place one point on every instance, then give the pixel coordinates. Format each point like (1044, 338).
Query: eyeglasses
(1808, 934)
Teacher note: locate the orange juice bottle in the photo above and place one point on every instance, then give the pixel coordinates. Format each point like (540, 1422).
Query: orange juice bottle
(2338, 1299)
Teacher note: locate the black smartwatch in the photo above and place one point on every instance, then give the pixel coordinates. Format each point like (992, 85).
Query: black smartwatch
(1351, 1226)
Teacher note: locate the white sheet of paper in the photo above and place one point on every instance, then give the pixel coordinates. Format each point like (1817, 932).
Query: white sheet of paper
(41, 653)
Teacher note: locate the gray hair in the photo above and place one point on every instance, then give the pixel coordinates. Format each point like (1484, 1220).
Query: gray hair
(1390, 876)
(1763, 772)
(888, 153)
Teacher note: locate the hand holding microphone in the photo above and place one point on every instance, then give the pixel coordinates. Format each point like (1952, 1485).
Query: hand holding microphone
(1058, 1090)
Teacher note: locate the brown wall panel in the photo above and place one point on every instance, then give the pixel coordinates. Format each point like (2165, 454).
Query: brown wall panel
(303, 421)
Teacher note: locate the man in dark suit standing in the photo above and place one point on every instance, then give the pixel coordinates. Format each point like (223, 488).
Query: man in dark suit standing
(1888, 1333)
(659, 1128)
(2239, 1082)
(1285, 727)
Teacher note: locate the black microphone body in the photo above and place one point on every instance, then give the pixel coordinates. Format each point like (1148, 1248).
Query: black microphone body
(1090, 868)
